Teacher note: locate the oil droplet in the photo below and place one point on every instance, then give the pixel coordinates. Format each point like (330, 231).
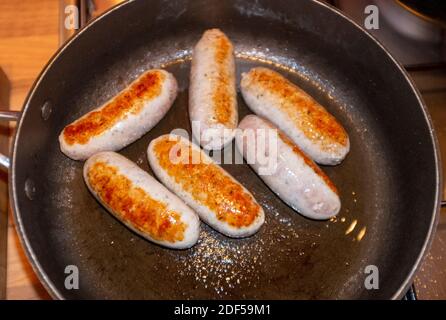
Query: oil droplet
(351, 227)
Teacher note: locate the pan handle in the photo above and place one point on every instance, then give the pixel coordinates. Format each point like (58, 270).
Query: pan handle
(7, 116)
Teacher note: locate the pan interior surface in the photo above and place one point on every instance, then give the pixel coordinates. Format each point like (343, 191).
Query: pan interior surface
(387, 183)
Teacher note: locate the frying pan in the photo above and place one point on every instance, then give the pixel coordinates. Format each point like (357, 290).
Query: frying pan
(389, 183)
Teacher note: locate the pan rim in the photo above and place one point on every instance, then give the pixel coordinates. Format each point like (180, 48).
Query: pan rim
(50, 286)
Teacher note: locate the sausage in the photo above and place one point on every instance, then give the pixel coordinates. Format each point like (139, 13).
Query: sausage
(140, 202)
(212, 91)
(296, 179)
(220, 201)
(123, 119)
(305, 121)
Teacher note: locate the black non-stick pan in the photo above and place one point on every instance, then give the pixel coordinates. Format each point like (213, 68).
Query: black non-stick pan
(389, 183)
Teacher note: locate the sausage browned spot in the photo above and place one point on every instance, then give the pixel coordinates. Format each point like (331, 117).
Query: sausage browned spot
(212, 91)
(123, 119)
(295, 178)
(214, 194)
(140, 202)
(304, 120)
